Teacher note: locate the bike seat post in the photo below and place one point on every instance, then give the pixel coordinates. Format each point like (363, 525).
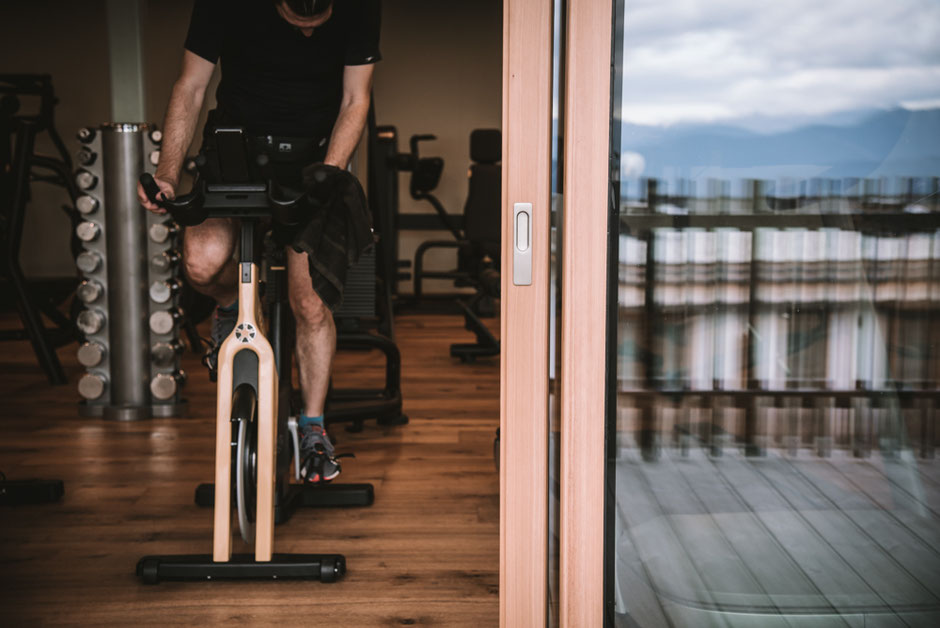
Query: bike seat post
(247, 251)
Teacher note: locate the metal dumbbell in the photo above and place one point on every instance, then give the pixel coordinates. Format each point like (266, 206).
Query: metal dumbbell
(88, 261)
(86, 156)
(88, 231)
(86, 135)
(86, 180)
(89, 291)
(164, 353)
(91, 354)
(162, 231)
(163, 291)
(91, 386)
(90, 321)
(163, 321)
(163, 262)
(164, 385)
(86, 204)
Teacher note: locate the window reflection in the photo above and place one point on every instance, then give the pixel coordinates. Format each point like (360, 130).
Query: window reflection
(778, 316)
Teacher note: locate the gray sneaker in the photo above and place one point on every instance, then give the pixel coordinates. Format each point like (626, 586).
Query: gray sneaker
(318, 463)
(223, 322)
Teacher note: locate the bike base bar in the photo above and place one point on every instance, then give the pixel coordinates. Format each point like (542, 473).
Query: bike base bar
(322, 567)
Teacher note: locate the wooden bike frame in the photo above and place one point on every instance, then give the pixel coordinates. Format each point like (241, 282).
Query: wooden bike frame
(253, 339)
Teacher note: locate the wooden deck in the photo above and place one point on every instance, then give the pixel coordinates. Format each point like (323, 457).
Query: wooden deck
(426, 553)
(784, 540)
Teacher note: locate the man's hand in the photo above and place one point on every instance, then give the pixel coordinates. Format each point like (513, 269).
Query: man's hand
(179, 125)
(166, 188)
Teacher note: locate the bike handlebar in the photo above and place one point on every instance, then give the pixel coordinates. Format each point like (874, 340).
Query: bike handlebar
(186, 209)
(235, 200)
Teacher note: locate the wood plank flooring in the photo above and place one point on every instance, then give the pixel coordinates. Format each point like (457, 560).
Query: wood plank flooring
(426, 553)
(835, 537)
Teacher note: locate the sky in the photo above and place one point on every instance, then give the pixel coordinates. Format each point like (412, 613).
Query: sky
(757, 63)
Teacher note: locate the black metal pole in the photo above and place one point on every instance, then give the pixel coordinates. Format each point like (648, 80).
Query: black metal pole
(25, 141)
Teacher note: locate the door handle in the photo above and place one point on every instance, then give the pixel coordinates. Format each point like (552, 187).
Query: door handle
(522, 244)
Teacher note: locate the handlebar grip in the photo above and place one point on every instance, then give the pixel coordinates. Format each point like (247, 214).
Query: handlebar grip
(151, 189)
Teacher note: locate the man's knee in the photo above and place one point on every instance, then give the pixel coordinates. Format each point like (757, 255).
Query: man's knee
(205, 257)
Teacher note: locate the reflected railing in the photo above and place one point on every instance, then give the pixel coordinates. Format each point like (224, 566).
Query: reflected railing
(817, 325)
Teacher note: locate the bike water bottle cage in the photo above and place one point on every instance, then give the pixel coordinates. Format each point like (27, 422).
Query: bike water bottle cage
(308, 8)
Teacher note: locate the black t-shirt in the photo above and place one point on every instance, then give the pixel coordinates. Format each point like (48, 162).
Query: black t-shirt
(275, 80)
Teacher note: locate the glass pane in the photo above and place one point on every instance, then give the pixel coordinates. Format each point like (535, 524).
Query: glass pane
(778, 314)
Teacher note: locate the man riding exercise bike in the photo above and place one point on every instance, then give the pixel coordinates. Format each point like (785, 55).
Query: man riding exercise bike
(255, 400)
(296, 76)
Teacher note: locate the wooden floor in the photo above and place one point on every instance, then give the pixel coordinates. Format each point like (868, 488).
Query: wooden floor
(839, 539)
(426, 553)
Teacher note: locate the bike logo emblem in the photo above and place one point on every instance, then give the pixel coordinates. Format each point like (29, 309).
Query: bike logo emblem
(245, 333)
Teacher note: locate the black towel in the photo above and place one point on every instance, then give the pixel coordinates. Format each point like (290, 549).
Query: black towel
(338, 232)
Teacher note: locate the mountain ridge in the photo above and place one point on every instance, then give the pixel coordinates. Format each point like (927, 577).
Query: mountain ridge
(892, 142)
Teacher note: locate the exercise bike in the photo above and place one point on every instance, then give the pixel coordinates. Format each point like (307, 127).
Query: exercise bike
(256, 434)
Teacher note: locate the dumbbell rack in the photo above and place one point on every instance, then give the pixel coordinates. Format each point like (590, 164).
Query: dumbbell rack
(130, 287)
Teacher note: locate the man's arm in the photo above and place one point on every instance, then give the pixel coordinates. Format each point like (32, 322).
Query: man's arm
(180, 124)
(357, 87)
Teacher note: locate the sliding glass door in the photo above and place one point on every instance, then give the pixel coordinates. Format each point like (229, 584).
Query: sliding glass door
(751, 315)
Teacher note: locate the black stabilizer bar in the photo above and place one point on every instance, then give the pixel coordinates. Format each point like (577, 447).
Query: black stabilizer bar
(322, 567)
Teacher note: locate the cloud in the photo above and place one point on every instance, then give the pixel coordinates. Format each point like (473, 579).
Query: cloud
(698, 61)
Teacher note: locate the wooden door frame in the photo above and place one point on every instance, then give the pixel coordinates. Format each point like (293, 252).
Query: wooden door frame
(584, 317)
(527, 109)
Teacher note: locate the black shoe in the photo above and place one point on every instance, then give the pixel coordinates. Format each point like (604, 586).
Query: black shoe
(223, 322)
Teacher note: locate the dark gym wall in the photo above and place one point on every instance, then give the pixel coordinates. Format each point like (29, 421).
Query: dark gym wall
(69, 41)
(441, 74)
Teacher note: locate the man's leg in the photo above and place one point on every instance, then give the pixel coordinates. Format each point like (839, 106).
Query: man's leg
(207, 259)
(211, 270)
(316, 334)
(316, 345)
